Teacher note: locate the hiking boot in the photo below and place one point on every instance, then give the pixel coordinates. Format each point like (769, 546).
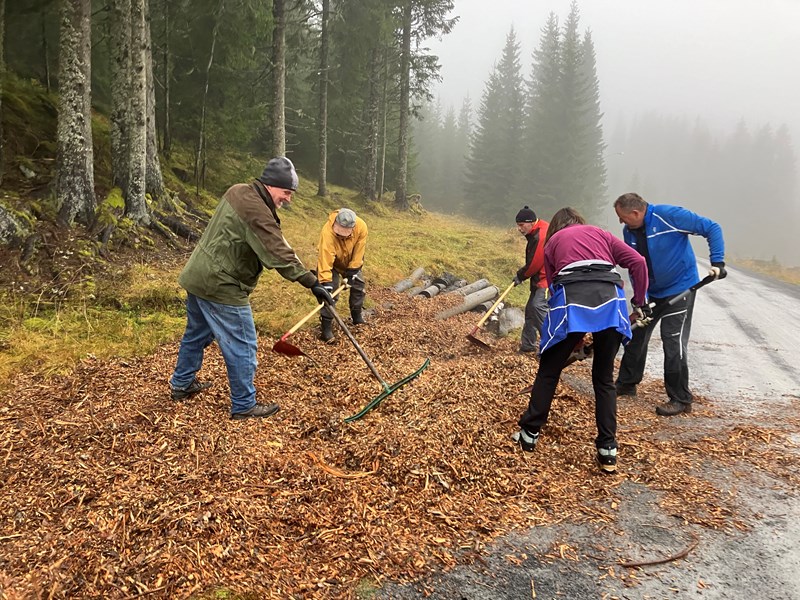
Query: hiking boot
(357, 317)
(327, 330)
(525, 439)
(626, 389)
(672, 408)
(193, 388)
(259, 410)
(607, 459)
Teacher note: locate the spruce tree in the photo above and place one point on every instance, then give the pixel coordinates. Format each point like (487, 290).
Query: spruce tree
(543, 141)
(493, 167)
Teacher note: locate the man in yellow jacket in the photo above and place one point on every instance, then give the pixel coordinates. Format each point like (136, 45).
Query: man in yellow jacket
(340, 253)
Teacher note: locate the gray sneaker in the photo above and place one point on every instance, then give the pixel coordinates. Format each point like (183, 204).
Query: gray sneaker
(194, 387)
(259, 410)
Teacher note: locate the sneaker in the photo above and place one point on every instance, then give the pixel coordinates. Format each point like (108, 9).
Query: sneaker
(607, 459)
(525, 439)
(626, 389)
(258, 410)
(672, 408)
(194, 387)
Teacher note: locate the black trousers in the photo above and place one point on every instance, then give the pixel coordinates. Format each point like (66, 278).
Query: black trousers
(676, 325)
(357, 294)
(551, 363)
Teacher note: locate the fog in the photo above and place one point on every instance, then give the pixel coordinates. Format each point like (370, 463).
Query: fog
(721, 64)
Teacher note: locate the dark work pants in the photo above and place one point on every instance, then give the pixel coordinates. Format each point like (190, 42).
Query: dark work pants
(676, 324)
(551, 363)
(535, 312)
(357, 294)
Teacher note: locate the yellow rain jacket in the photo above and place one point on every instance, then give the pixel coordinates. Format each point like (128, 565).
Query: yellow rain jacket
(334, 252)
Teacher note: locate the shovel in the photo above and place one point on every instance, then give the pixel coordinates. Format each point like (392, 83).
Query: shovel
(387, 389)
(284, 347)
(471, 335)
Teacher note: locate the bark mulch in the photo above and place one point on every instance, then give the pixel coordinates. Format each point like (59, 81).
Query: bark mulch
(108, 489)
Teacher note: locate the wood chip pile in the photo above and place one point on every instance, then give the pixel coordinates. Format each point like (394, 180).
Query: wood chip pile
(111, 490)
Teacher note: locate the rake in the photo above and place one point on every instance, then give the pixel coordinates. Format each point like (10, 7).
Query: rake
(387, 389)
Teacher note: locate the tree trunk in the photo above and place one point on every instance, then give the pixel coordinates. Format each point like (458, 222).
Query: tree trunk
(323, 102)
(385, 110)
(371, 170)
(400, 199)
(135, 202)
(120, 32)
(75, 179)
(279, 78)
(45, 51)
(200, 156)
(167, 140)
(154, 183)
(2, 78)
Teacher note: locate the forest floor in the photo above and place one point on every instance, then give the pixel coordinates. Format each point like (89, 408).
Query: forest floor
(112, 490)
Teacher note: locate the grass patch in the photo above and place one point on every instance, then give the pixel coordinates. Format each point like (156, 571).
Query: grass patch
(772, 268)
(130, 309)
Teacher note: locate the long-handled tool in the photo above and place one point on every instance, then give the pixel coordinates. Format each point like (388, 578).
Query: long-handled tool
(704, 281)
(471, 335)
(387, 389)
(284, 347)
(675, 299)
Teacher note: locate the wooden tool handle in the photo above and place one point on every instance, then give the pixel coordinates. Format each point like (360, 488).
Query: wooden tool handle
(495, 305)
(311, 314)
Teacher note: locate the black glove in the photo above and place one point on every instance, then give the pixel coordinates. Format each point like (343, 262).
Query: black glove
(520, 276)
(516, 281)
(719, 269)
(322, 292)
(351, 274)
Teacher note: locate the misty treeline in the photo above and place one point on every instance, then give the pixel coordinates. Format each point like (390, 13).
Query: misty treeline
(536, 137)
(745, 179)
(331, 83)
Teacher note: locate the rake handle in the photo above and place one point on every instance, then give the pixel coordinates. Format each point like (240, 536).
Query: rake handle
(318, 308)
(491, 309)
(358, 347)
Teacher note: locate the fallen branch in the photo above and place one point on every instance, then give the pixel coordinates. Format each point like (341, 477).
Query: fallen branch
(661, 561)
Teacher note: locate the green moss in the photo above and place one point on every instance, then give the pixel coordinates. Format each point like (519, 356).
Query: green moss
(111, 208)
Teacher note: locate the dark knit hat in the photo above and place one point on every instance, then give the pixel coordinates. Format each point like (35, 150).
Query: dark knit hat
(526, 215)
(280, 173)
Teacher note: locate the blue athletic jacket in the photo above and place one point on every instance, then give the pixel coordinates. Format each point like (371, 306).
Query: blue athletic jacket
(673, 267)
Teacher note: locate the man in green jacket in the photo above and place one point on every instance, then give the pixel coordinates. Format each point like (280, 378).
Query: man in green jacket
(243, 237)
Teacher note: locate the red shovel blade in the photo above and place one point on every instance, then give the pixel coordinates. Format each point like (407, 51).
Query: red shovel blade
(284, 347)
(480, 343)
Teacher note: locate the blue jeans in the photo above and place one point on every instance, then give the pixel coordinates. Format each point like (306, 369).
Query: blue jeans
(235, 332)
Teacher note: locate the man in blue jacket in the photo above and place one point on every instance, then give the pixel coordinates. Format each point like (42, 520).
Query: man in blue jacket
(660, 233)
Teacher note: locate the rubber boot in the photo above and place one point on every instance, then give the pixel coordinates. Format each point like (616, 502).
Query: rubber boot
(357, 317)
(327, 330)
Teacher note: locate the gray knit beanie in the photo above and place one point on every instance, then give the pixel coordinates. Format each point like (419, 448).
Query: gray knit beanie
(280, 173)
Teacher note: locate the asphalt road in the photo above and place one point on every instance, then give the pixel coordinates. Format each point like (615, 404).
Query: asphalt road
(745, 341)
(742, 356)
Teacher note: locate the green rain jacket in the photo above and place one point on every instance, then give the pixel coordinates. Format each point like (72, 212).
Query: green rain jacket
(243, 237)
